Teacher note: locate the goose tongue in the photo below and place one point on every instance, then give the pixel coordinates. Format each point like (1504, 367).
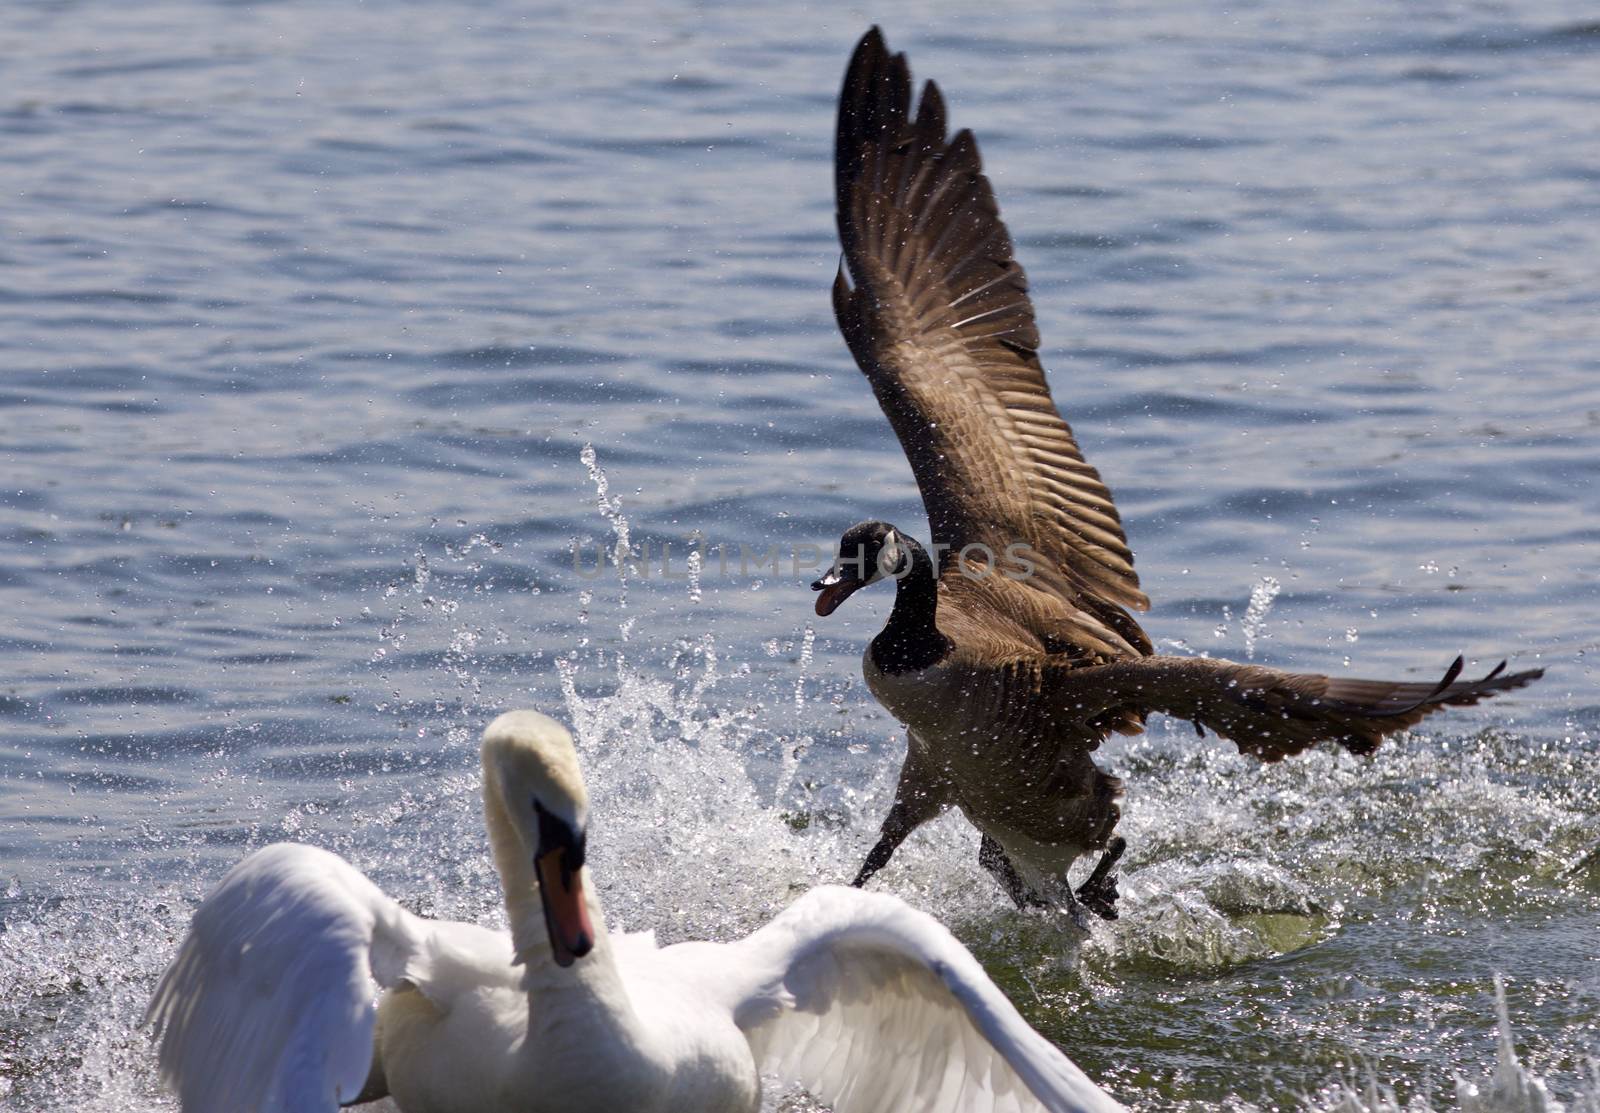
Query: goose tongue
(833, 594)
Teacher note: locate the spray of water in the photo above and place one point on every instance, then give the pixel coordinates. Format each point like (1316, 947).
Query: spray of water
(1255, 616)
(1509, 1087)
(721, 791)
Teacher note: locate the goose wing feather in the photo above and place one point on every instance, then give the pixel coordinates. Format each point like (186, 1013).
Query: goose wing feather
(941, 324)
(1269, 712)
(269, 1006)
(876, 1008)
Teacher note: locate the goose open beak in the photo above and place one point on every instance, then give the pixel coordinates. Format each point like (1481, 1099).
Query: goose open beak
(566, 913)
(835, 590)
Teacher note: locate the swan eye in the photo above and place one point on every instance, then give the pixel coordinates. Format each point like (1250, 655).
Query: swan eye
(557, 834)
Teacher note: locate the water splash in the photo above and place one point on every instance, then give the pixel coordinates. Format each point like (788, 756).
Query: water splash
(1214, 914)
(1509, 1087)
(1255, 615)
(808, 646)
(695, 565)
(610, 508)
(1220, 630)
(721, 791)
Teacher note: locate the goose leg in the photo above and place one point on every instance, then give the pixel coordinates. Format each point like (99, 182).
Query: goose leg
(1099, 893)
(900, 822)
(920, 796)
(896, 826)
(911, 810)
(992, 857)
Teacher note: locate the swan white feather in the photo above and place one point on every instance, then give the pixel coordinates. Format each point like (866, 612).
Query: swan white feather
(269, 1003)
(872, 1006)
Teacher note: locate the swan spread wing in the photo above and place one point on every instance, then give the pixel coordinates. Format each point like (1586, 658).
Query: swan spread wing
(269, 1004)
(876, 1008)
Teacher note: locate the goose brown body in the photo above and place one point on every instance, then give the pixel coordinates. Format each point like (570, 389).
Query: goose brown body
(1013, 651)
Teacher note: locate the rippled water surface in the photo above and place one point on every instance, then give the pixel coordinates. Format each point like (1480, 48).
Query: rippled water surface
(308, 314)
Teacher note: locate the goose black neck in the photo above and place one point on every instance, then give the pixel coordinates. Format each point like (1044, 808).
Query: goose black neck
(911, 640)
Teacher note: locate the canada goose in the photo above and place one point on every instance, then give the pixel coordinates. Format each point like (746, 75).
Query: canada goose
(871, 1005)
(1011, 653)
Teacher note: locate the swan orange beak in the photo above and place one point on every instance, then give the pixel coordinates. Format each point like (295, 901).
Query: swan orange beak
(566, 913)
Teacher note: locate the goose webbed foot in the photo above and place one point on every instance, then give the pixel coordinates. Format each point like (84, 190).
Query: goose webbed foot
(900, 822)
(1099, 893)
(992, 857)
(877, 858)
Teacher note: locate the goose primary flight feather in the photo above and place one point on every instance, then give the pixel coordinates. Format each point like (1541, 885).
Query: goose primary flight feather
(872, 1006)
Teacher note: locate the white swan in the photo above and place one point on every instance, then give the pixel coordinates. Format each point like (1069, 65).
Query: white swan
(872, 1006)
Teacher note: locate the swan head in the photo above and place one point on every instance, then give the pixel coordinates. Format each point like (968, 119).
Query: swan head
(868, 552)
(529, 760)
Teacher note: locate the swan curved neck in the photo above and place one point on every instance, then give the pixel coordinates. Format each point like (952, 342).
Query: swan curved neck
(911, 640)
(513, 860)
(584, 1005)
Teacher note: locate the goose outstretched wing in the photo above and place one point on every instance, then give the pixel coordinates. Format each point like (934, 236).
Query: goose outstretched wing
(1269, 712)
(940, 322)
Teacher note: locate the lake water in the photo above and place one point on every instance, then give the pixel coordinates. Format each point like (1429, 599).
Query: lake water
(337, 341)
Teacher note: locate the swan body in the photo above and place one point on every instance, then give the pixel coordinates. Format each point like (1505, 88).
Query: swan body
(869, 1004)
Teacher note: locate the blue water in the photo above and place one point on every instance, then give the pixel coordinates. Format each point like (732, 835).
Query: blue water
(307, 316)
